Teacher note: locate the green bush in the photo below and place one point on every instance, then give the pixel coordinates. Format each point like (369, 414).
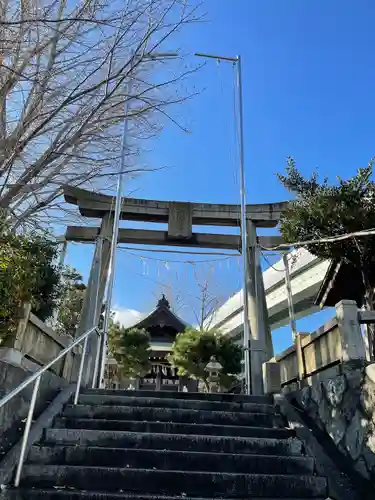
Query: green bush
(130, 348)
(28, 273)
(193, 349)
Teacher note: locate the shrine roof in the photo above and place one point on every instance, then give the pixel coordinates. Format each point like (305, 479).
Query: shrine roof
(162, 315)
(342, 281)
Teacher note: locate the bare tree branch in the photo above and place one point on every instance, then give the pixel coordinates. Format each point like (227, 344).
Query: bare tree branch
(48, 21)
(67, 70)
(202, 300)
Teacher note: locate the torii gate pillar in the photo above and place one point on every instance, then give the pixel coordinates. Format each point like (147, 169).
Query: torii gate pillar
(260, 334)
(94, 295)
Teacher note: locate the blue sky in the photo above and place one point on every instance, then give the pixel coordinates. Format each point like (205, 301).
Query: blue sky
(308, 83)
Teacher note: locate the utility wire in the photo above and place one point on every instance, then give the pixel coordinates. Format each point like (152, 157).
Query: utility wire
(177, 261)
(331, 239)
(271, 265)
(156, 250)
(265, 257)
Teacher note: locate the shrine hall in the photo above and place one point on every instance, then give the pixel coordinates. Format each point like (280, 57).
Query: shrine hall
(163, 325)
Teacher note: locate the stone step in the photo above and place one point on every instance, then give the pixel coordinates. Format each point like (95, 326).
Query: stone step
(223, 397)
(63, 494)
(154, 402)
(183, 442)
(170, 460)
(174, 415)
(171, 428)
(206, 484)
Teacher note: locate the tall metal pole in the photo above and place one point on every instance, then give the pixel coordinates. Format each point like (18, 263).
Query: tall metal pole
(288, 285)
(116, 221)
(244, 238)
(112, 262)
(245, 262)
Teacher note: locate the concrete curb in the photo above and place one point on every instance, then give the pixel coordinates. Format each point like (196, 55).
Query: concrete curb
(44, 421)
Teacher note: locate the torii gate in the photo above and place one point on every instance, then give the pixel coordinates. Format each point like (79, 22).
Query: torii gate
(180, 217)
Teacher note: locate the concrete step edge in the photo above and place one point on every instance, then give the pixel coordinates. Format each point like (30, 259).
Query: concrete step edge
(202, 396)
(154, 399)
(97, 495)
(282, 430)
(213, 484)
(171, 460)
(192, 437)
(202, 454)
(37, 467)
(178, 410)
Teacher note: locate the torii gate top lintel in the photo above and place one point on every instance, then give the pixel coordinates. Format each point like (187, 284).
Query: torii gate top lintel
(96, 205)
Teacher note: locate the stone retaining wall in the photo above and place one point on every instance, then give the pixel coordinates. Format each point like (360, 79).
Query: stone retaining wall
(343, 405)
(35, 344)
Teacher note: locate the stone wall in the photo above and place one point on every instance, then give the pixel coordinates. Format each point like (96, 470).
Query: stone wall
(341, 402)
(338, 340)
(35, 344)
(319, 349)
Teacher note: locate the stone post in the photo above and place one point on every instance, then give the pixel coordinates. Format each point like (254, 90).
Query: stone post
(258, 314)
(22, 326)
(352, 344)
(271, 377)
(300, 359)
(94, 295)
(158, 378)
(368, 339)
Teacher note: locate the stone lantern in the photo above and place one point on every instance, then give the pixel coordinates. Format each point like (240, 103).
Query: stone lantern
(214, 369)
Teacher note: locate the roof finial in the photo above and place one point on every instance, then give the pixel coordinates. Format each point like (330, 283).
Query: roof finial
(163, 302)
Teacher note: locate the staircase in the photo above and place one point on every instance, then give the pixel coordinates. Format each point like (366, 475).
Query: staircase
(163, 446)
